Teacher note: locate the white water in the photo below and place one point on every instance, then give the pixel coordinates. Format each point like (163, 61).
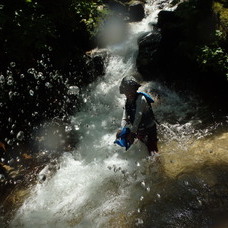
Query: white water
(99, 182)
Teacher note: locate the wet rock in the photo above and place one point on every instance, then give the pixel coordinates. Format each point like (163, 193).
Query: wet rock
(149, 39)
(136, 11)
(95, 61)
(147, 59)
(130, 11)
(167, 17)
(118, 7)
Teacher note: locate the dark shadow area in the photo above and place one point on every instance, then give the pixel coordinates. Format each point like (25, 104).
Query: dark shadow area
(195, 198)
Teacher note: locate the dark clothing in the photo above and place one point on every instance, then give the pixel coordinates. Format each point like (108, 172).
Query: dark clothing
(140, 115)
(149, 137)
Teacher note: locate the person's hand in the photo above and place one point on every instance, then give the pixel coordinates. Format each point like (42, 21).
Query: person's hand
(131, 137)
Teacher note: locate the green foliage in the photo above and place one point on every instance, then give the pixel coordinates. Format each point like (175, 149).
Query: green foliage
(222, 13)
(42, 53)
(214, 56)
(91, 13)
(28, 28)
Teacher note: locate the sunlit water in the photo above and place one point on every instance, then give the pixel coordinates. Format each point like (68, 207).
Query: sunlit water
(101, 185)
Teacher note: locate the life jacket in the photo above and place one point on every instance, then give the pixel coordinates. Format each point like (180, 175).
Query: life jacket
(147, 117)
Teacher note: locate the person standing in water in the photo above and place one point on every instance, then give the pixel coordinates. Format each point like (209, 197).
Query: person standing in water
(139, 114)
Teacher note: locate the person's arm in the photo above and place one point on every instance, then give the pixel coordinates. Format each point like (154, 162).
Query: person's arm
(124, 119)
(141, 103)
(123, 122)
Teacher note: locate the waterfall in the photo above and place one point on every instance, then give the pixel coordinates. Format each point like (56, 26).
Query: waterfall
(100, 184)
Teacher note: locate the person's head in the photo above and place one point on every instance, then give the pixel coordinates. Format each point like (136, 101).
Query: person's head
(128, 85)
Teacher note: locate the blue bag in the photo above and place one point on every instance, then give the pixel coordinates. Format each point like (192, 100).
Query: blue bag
(122, 138)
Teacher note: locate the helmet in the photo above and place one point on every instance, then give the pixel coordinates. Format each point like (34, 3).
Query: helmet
(128, 82)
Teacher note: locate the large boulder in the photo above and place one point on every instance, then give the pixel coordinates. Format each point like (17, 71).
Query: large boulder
(130, 11)
(95, 60)
(136, 11)
(117, 7)
(147, 60)
(184, 34)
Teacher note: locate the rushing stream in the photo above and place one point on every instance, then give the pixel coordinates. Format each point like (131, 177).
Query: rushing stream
(101, 185)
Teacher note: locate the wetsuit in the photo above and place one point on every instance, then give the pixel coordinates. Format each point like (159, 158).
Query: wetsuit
(140, 115)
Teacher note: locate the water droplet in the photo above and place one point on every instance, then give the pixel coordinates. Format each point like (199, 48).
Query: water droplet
(148, 189)
(36, 76)
(48, 85)
(10, 80)
(31, 92)
(200, 202)
(141, 198)
(31, 70)
(22, 76)
(12, 64)
(34, 113)
(20, 135)
(10, 94)
(115, 169)
(11, 161)
(186, 183)
(40, 74)
(139, 222)
(9, 72)
(2, 79)
(10, 142)
(158, 195)
(76, 127)
(2, 177)
(68, 128)
(137, 164)
(123, 172)
(73, 90)
(143, 184)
